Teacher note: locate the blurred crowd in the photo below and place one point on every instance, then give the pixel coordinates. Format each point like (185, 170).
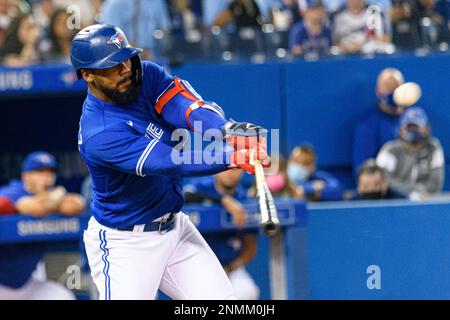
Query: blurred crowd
(40, 30)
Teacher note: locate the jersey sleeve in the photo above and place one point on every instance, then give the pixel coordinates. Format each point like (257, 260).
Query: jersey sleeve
(177, 102)
(127, 152)
(13, 192)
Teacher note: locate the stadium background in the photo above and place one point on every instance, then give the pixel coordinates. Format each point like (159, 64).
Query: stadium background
(316, 101)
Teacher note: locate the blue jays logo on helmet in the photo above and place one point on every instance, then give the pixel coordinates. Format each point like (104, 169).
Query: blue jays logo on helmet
(116, 39)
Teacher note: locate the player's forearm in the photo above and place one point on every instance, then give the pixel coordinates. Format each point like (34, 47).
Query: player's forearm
(39, 205)
(72, 204)
(246, 256)
(167, 161)
(250, 249)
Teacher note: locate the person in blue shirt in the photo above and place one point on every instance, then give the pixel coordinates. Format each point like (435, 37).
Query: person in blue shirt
(139, 19)
(316, 185)
(34, 195)
(133, 119)
(311, 37)
(233, 249)
(378, 125)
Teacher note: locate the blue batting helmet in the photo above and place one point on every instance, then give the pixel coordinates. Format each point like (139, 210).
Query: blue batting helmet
(102, 46)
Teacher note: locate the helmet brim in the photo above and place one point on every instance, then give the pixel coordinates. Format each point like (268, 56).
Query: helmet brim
(112, 60)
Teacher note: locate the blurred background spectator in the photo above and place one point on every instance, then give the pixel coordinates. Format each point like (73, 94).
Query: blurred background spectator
(42, 12)
(285, 14)
(7, 13)
(280, 184)
(22, 271)
(143, 21)
(36, 194)
(311, 37)
(186, 17)
(378, 125)
(234, 249)
(244, 14)
(59, 37)
(353, 33)
(316, 185)
(415, 161)
(21, 45)
(415, 23)
(191, 30)
(373, 184)
(245, 21)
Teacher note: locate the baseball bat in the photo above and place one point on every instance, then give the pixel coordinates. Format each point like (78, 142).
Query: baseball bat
(269, 217)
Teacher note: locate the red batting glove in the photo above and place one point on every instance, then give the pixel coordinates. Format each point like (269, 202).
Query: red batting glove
(245, 142)
(245, 157)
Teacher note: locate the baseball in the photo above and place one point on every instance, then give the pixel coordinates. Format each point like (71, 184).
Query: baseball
(407, 94)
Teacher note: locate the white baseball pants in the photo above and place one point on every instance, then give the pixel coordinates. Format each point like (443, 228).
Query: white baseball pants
(133, 264)
(243, 285)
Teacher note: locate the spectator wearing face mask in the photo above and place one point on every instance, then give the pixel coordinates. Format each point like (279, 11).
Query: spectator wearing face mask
(415, 161)
(317, 185)
(378, 125)
(279, 183)
(373, 184)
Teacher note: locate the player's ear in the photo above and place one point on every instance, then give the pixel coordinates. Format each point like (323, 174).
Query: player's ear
(87, 76)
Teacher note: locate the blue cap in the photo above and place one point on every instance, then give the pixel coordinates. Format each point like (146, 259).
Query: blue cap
(414, 115)
(38, 160)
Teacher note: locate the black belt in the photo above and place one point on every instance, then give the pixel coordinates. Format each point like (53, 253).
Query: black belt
(161, 226)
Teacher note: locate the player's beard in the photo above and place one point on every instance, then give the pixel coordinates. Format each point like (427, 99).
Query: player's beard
(117, 97)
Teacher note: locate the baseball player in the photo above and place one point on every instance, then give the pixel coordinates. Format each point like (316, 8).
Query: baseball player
(234, 249)
(22, 271)
(138, 240)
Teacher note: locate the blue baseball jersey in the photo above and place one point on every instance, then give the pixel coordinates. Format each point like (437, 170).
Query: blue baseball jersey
(17, 261)
(226, 245)
(128, 149)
